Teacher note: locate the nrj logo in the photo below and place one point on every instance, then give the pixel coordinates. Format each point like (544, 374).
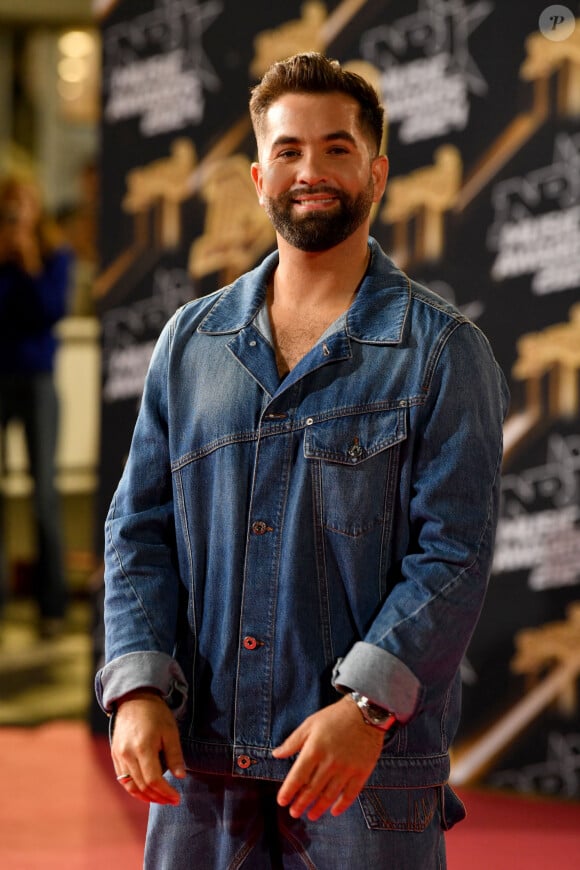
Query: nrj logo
(536, 229)
(427, 71)
(155, 68)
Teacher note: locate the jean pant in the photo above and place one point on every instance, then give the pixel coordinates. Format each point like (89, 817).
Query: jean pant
(225, 823)
(32, 399)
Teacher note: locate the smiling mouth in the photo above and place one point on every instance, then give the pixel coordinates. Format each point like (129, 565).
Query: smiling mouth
(315, 201)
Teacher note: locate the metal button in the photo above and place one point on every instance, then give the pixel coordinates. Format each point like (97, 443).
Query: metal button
(260, 527)
(250, 642)
(252, 343)
(243, 761)
(309, 421)
(355, 451)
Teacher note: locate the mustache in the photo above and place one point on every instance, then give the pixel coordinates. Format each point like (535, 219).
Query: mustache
(316, 188)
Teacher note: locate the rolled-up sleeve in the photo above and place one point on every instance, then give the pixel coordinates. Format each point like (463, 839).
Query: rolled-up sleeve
(142, 584)
(139, 670)
(449, 506)
(384, 679)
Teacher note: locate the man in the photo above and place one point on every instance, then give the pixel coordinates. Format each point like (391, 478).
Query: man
(298, 550)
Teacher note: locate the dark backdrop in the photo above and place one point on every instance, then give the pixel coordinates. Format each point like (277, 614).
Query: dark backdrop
(483, 205)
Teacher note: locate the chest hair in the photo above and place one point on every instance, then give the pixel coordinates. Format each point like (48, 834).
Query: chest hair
(295, 336)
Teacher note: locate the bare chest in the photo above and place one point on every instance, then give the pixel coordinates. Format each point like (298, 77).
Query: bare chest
(294, 337)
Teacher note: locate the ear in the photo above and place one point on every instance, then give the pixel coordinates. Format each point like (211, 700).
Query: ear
(380, 173)
(256, 171)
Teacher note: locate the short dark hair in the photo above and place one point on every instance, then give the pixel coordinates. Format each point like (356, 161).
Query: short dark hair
(313, 73)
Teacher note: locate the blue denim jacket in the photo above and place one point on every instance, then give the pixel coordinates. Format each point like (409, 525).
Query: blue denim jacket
(273, 542)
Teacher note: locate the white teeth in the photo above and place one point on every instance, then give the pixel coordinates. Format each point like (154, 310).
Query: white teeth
(310, 201)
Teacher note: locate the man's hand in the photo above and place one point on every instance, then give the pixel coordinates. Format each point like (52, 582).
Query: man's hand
(338, 752)
(145, 728)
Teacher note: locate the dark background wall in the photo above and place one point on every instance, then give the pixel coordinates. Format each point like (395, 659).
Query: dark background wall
(483, 106)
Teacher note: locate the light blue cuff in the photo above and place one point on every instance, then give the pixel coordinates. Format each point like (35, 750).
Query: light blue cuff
(142, 670)
(382, 677)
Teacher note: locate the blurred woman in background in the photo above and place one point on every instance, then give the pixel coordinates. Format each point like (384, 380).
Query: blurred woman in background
(35, 268)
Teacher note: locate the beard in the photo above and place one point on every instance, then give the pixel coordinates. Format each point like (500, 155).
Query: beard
(319, 230)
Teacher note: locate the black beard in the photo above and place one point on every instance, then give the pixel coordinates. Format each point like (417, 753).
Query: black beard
(320, 230)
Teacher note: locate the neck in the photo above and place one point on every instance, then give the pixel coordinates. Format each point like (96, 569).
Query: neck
(331, 276)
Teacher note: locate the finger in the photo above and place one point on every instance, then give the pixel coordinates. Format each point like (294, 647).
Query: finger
(347, 798)
(305, 797)
(291, 745)
(133, 791)
(299, 779)
(127, 782)
(146, 780)
(319, 793)
(327, 797)
(311, 785)
(173, 756)
(152, 783)
(158, 791)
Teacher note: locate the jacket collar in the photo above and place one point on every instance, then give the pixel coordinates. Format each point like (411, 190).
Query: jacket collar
(377, 315)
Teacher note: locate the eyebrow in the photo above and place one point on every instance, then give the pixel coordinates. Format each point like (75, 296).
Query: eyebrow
(330, 137)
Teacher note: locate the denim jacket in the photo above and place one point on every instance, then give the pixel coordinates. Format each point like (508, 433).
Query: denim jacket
(273, 542)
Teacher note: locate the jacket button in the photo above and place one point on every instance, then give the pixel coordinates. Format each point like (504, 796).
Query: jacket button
(250, 643)
(243, 761)
(260, 527)
(355, 451)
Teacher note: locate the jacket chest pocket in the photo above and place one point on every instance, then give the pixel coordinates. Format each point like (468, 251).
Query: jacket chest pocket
(355, 467)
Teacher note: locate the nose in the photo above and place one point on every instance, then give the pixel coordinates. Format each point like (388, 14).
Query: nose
(312, 170)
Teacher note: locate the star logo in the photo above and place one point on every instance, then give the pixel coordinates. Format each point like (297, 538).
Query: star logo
(459, 21)
(155, 67)
(170, 26)
(438, 27)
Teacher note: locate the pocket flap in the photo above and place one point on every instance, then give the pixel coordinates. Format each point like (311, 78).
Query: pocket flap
(352, 439)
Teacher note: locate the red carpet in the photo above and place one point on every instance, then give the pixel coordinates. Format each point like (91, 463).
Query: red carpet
(515, 833)
(61, 809)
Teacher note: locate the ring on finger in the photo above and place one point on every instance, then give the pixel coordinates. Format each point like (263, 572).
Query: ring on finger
(124, 777)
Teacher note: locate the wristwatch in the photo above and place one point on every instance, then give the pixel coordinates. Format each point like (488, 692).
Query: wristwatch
(373, 714)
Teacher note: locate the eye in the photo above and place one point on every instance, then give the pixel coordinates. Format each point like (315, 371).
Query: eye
(288, 153)
(338, 149)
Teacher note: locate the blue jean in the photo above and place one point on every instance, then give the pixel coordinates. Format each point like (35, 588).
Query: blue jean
(32, 399)
(223, 823)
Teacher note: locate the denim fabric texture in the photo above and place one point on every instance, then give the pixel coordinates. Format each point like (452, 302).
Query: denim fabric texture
(274, 542)
(229, 823)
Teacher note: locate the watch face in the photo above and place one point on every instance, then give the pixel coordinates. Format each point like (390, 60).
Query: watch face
(372, 713)
(377, 715)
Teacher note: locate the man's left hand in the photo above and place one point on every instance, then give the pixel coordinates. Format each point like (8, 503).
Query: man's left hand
(337, 754)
